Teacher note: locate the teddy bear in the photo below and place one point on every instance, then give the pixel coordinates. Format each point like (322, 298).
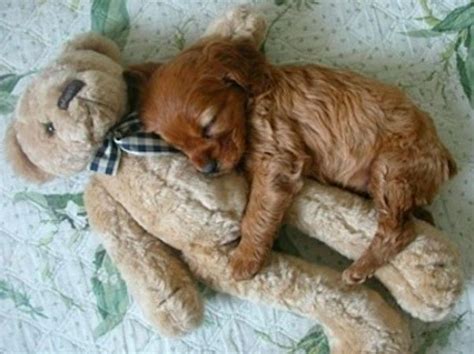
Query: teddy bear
(166, 227)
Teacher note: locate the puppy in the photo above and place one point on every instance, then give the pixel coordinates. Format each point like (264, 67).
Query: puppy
(224, 106)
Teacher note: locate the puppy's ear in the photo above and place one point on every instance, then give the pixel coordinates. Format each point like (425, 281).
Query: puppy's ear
(139, 74)
(22, 165)
(240, 63)
(137, 77)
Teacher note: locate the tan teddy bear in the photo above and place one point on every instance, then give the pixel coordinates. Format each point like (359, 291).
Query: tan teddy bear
(165, 226)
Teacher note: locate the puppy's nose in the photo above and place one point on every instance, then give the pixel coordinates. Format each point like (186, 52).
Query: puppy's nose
(210, 167)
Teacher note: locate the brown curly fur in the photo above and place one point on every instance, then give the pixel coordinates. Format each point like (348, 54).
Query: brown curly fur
(221, 100)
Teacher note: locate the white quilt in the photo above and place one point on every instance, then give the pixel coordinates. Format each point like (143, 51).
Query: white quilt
(58, 290)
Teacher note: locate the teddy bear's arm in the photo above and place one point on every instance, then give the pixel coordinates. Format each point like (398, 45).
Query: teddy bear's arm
(425, 278)
(240, 22)
(158, 280)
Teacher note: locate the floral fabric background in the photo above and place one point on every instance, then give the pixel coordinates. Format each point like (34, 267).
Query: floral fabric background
(59, 290)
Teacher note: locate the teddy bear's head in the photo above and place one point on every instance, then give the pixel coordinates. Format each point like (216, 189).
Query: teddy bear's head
(65, 112)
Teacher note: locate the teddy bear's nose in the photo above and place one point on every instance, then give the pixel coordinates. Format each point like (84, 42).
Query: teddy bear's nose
(69, 92)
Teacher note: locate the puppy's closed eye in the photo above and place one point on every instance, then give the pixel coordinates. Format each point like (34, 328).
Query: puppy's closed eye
(207, 119)
(206, 130)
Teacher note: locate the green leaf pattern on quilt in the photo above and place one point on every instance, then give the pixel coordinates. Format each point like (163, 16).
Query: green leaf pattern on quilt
(180, 34)
(286, 6)
(315, 342)
(298, 4)
(20, 299)
(110, 18)
(457, 20)
(7, 99)
(460, 22)
(110, 292)
(59, 207)
(439, 336)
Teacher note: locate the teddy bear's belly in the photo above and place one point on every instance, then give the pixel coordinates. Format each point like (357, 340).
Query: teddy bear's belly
(173, 202)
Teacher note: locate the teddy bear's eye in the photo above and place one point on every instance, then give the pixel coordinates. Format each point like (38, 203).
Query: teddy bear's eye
(69, 92)
(49, 128)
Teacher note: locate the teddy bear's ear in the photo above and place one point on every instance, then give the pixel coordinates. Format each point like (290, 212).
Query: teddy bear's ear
(22, 165)
(96, 42)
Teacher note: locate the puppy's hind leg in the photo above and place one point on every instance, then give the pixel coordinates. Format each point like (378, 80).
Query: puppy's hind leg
(394, 199)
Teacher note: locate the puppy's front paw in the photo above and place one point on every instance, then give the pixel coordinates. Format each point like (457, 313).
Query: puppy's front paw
(243, 265)
(359, 272)
(353, 277)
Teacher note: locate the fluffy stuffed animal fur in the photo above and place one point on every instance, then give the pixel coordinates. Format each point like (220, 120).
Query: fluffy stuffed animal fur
(165, 225)
(223, 105)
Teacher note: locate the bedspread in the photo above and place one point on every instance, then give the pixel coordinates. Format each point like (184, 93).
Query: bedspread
(59, 290)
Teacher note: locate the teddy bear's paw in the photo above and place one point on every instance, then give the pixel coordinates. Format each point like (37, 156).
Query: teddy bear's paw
(240, 22)
(249, 24)
(243, 265)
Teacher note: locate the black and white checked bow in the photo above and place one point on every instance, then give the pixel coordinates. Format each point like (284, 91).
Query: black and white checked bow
(128, 136)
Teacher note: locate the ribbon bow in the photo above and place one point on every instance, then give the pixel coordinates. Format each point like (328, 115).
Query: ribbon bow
(128, 136)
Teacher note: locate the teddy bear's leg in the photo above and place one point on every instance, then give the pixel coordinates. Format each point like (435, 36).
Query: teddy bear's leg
(425, 278)
(356, 320)
(158, 280)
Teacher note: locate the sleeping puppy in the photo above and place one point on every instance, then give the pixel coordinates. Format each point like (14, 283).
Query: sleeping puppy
(223, 105)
